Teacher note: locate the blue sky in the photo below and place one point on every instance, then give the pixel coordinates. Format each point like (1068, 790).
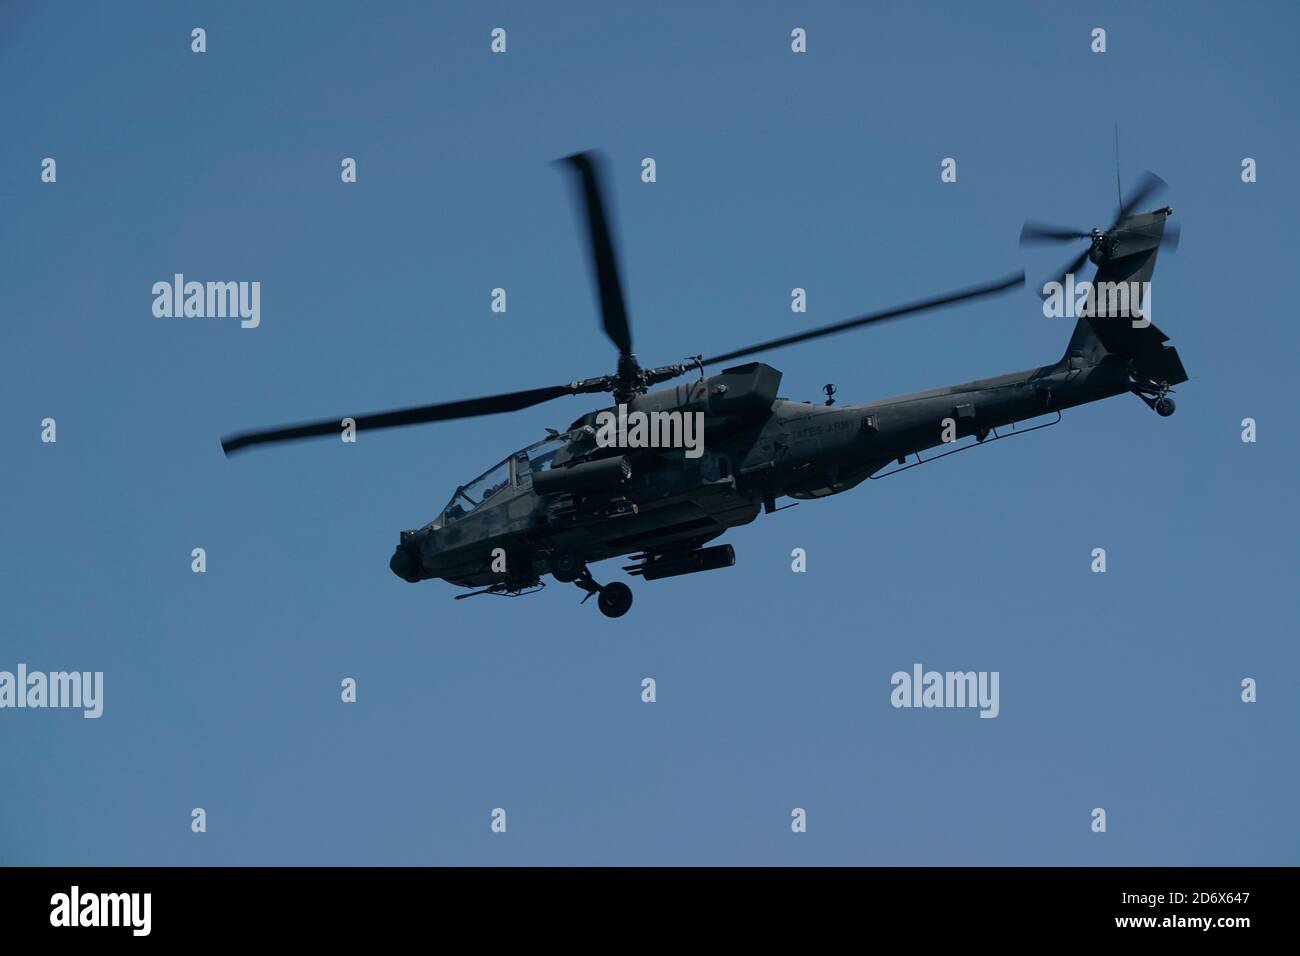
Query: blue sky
(774, 171)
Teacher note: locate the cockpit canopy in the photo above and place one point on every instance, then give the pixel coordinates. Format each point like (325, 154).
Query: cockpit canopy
(515, 471)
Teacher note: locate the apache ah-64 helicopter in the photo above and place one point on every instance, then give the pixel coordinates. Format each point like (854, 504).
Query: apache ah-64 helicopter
(570, 500)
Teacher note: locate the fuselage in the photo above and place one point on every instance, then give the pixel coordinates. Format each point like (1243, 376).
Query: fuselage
(750, 457)
(759, 447)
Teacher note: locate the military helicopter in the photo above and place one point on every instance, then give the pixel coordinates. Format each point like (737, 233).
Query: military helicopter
(570, 500)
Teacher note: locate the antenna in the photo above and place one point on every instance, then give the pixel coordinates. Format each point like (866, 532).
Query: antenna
(1118, 192)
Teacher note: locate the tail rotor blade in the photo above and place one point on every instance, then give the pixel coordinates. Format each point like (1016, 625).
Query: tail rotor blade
(1038, 233)
(1148, 185)
(1073, 267)
(1169, 239)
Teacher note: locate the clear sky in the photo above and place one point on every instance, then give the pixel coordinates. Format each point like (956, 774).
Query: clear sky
(775, 170)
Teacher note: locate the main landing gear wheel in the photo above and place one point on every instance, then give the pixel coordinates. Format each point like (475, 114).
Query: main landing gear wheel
(612, 599)
(615, 599)
(1165, 407)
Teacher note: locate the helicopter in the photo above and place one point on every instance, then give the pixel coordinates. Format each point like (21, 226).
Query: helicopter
(570, 500)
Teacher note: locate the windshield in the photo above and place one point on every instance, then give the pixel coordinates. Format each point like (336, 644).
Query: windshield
(540, 456)
(481, 489)
(536, 457)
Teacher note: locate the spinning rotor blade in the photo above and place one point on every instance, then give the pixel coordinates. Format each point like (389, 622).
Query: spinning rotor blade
(1073, 267)
(1169, 236)
(604, 261)
(922, 305)
(1169, 239)
(1038, 233)
(1148, 185)
(470, 408)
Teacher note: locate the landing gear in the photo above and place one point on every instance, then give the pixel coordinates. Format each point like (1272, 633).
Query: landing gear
(566, 568)
(1156, 395)
(614, 599)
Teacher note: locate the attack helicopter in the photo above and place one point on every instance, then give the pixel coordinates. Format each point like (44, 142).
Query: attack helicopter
(570, 500)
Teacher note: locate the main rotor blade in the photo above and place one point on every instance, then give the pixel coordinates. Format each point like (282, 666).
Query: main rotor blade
(470, 408)
(604, 261)
(1037, 233)
(922, 305)
(1148, 185)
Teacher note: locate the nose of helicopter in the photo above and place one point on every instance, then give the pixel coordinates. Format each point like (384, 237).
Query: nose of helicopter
(405, 562)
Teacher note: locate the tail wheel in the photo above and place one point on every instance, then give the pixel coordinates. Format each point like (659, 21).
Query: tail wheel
(615, 599)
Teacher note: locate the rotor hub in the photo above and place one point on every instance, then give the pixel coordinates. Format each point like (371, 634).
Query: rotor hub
(630, 380)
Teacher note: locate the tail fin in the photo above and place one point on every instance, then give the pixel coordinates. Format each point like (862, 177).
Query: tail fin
(1120, 328)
